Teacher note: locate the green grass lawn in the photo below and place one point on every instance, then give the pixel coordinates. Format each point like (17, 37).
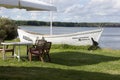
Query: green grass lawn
(68, 63)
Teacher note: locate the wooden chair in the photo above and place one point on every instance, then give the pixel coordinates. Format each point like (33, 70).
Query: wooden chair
(7, 49)
(47, 48)
(37, 50)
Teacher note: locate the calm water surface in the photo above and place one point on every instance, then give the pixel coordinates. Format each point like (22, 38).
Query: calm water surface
(110, 37)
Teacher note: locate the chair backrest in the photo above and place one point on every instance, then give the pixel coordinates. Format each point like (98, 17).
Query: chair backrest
(47, 46)
(40, 44)
(0, 44)
(0, 41)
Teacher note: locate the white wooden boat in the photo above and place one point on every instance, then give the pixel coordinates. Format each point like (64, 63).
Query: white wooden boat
(79, 38)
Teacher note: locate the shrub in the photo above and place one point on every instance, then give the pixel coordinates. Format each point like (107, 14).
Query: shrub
(8, 29)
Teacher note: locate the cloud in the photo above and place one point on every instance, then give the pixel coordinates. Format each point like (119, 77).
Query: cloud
(73, 11)
(99, 7)
(95, 9)
(73, 8)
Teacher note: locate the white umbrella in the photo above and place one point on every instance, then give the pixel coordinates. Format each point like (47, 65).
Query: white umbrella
(28, 5)
(32, 5)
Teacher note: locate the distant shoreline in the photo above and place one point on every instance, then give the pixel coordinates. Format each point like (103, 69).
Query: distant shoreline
(63, 26)
(68, 24)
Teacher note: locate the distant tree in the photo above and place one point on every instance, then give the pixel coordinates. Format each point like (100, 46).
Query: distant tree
(8, 29)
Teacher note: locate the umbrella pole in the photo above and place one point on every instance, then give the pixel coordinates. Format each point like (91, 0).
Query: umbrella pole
(51, 20)
(51, 17)
(19, 4)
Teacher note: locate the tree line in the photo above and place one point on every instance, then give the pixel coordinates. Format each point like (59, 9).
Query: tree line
(67, 24)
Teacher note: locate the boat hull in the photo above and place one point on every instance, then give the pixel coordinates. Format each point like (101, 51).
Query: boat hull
(79, 38)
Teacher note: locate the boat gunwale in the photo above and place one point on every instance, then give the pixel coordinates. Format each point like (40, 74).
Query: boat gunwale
(65, 35)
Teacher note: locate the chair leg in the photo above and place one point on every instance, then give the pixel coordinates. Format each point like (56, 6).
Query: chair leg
(30, 57)
(49, 57)
(13, 50)
(41, 58)
(13, 53)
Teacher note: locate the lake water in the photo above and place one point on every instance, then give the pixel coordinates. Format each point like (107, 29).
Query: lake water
(110, 37)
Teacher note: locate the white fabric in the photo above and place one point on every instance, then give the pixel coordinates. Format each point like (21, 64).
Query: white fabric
(28, 4)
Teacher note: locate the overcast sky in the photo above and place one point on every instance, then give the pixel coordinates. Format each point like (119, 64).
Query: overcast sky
(72, 11)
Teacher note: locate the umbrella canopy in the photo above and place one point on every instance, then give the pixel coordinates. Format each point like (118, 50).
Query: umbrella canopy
(34, 5)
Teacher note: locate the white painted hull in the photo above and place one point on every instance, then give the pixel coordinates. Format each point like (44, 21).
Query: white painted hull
(79, 38)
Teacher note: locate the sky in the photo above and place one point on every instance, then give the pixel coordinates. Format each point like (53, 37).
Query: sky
(71, 11)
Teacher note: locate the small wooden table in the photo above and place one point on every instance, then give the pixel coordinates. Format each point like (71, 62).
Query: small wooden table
(15, 44)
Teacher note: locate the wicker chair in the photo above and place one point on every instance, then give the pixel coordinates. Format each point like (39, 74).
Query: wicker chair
(37, 50)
